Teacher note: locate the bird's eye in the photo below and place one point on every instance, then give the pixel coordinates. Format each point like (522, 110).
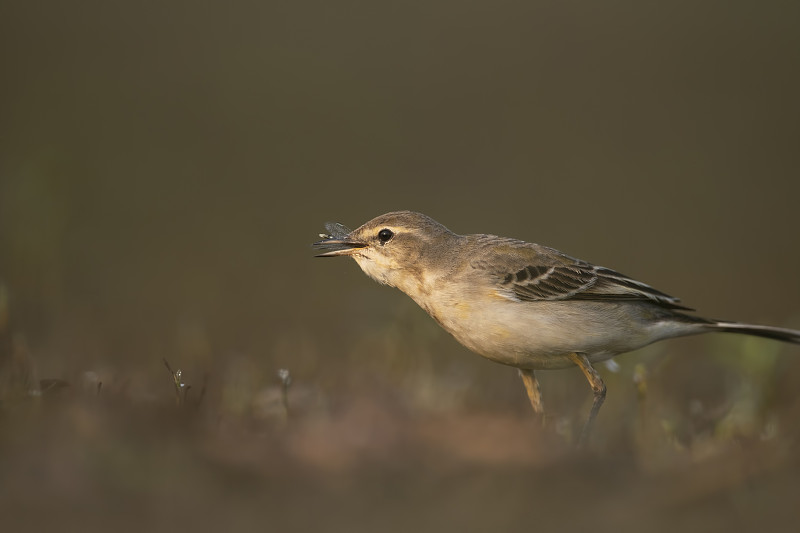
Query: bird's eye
(385, 235)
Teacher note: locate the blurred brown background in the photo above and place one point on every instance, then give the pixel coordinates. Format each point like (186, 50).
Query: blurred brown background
(165, 166)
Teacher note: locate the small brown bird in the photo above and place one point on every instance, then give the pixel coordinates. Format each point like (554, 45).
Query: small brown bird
(518, 303)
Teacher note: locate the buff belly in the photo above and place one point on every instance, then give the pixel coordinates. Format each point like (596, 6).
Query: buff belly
(541, 335)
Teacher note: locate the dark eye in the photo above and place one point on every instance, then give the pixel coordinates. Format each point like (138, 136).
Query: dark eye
(385, 235)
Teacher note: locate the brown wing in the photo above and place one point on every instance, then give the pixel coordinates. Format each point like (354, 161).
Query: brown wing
(581, 281)
(530, 272)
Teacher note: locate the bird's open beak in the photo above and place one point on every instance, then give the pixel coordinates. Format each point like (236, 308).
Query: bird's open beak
(337, 241)
(337, 247)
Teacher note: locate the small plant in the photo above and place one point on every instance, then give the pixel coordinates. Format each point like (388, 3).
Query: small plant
(286, 381)
(182, 389)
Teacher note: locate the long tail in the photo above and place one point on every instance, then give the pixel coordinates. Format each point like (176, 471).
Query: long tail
(770, 332)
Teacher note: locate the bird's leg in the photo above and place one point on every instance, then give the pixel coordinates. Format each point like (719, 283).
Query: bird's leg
(598, 388)
(532, 388)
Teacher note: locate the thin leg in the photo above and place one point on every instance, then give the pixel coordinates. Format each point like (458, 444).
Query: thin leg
(598, 388)
(532, 388)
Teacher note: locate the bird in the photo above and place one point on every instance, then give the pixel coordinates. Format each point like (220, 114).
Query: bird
(522, 304)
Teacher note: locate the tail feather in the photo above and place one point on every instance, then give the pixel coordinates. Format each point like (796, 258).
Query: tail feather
(770, 332)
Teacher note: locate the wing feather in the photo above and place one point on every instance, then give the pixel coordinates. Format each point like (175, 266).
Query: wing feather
(582, 281)
(536, 273)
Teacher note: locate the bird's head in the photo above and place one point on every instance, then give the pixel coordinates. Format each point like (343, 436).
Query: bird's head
(389, 248)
